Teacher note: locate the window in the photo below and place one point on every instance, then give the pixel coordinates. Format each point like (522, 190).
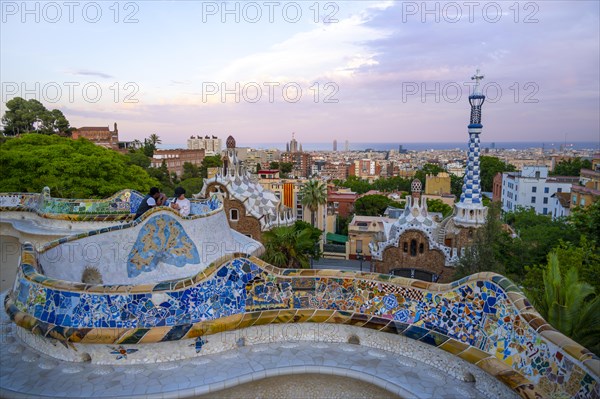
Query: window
(421, 248)
(559, 190)
(359, 246)
(533, 200)
(534, 189)
(545, 211)
(234, 215)
(545, 200)
(546, 190)
(336, 205)
(405, 246)
(413, 247)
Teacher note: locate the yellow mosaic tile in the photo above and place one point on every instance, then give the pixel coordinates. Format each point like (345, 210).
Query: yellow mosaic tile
(302, 315)
(493, 366)
(266, 317)
(453, 346)
(154, 335)
(574, 349)
(512, 378)
(420, 284)
(248, 320)
(320, 316)
(339, 318)
(284, 316)
(593, 365)
(473, 355)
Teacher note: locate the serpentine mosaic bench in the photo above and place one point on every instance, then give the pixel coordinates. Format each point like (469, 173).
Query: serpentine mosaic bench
(120, 206)
(483, 319)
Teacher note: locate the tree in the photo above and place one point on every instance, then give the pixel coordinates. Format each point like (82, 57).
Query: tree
(192, 185)
(138, 158)
(342, 225)
(373, 205)
(190, 171)
(571, 167)
(71, 168)
(584, 257)
(537, 236)
(315, 236)
(314, 193)
(288, 247)
(24, 116)
(456, 183)
(355, 184)
(54, 122)
(489, 167)
(212, 161)
(486, 252)
(428, 169)
(148, 148)
(570, 305)
(587, 221)
(285, 168)
(154, 139)
(274, 165)
(437, 205)
(258, 167)
(393, 183)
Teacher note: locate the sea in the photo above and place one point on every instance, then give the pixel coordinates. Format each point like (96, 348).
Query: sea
(423, 146)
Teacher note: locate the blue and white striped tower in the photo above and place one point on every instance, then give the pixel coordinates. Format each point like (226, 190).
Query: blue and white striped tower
(470, 209)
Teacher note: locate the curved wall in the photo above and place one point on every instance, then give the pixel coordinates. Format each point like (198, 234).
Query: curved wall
(483, 319)
(157, 247)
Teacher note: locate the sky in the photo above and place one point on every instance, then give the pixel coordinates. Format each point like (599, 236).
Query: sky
(363, 71)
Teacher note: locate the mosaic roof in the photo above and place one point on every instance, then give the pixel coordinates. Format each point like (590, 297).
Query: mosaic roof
(261, 203)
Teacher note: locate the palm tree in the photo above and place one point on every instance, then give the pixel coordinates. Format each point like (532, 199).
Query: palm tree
(135, 144)
(288, 247)
(570, 305)
(154, 139)
(314, 193)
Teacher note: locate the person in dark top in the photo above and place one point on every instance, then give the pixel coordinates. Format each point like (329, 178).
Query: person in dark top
(154, 198)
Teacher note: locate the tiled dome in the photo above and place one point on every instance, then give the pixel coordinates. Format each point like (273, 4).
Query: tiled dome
(416, 186)
(230, 142)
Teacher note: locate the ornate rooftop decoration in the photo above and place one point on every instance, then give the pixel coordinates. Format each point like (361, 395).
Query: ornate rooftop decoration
(230, 142)
(258, 202)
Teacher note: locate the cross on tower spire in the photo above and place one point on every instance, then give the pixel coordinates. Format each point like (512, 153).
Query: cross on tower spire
(477, 77)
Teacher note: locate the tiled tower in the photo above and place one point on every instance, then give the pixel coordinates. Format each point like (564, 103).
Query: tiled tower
(470, 210)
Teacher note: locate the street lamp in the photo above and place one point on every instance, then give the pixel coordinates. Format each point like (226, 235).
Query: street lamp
(359, 257)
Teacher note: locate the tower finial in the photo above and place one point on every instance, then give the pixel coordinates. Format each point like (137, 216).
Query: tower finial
(477, 77)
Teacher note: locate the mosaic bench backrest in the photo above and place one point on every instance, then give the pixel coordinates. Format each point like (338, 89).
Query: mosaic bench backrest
(483, 319)
(117, 207)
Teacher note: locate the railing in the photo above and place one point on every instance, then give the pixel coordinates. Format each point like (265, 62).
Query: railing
(334, 248)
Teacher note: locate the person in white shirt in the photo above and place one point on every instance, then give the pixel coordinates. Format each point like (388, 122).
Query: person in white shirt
(181, 203)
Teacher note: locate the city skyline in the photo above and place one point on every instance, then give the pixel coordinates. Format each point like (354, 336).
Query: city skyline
(383, 74)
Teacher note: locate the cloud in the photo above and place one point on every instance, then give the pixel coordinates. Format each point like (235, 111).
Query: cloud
(85, 72)
(333, 50)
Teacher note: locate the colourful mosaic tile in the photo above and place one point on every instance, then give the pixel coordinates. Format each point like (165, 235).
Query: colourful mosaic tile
(162, 239)
(475, 320)
(119, 206)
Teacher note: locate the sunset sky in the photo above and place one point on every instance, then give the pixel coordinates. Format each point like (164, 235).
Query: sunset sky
(362, 67)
